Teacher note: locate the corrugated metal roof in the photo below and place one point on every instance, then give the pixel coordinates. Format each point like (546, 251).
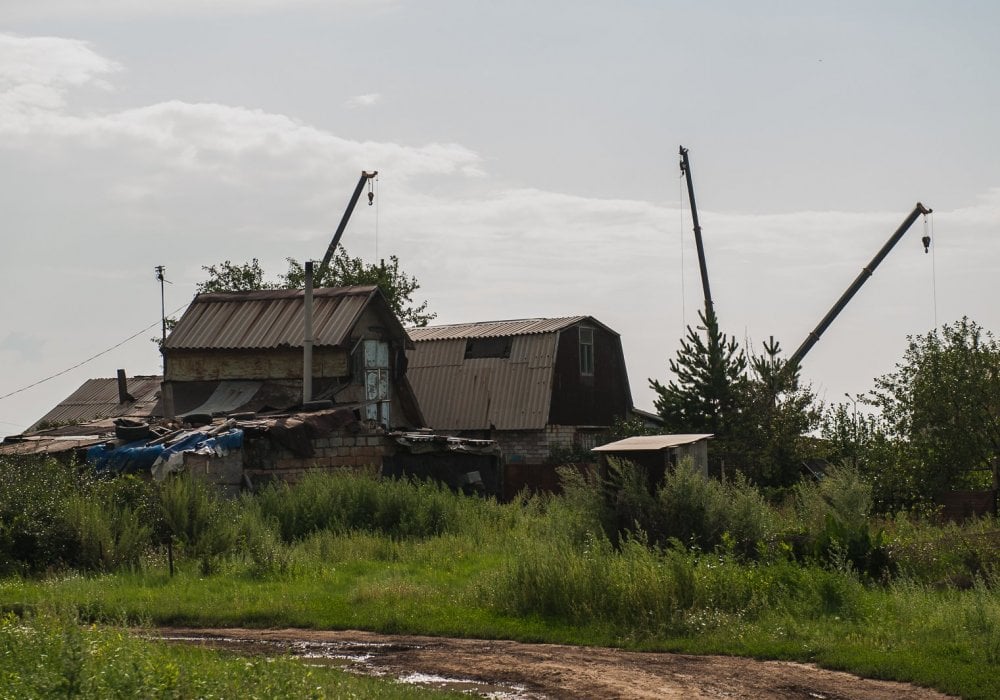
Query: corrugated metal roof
(98, 398)
(648, 443)
(495, 329)
(268, 319)
(475, 394)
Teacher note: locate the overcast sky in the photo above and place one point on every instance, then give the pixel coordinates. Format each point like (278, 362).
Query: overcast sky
(527, 154)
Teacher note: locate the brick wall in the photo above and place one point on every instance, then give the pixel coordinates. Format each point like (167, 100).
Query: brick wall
(263, 460)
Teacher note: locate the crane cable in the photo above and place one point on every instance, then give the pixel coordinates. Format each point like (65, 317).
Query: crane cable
(933, 264)
(378, 197)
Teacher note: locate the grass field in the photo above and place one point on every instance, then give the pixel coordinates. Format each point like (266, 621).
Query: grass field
(417, 559)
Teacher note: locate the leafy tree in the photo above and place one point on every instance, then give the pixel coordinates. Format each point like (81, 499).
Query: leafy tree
(862, 440)
(774, 414)
(942, 405)
(227, 277)
(709, 372)
(344, 270)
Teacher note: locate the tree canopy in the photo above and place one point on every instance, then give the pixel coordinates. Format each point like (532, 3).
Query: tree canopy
(343, 271)
(943, 402)
(754, 406)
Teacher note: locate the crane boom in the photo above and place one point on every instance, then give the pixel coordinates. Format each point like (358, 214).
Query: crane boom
(365, 177)
(686, 169)
(859, 281)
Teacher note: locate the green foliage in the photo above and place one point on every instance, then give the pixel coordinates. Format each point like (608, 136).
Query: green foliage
(774, 414)
(684, 507)
(343, 502)
(343, 271)
(942, 407)
(835, 514)
(396, 285)
(708, 373)
(234, 277)
(34, 532)
(50, 656)
(756, 408)
(196, 517)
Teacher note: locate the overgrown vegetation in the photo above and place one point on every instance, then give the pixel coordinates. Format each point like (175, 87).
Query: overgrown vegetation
(693, 564)
(52, 656)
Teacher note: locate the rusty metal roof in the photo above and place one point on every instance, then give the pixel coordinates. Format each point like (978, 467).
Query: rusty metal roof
(495, 329)
(652, 443)
(507, 394)
(269, 319)
(98, 398)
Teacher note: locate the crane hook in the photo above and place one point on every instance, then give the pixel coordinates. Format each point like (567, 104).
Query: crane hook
(926, 240)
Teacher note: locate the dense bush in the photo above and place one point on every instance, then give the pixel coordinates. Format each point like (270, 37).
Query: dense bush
(35, 533)
(684, 506)
(341, 502)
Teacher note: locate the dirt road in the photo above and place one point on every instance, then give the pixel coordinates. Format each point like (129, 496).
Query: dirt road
(504, 669)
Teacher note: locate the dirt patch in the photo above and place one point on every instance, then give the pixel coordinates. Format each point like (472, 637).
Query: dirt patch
(505, 669)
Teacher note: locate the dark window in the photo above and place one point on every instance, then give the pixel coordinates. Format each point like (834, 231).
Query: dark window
(487, 347)
(586, 350)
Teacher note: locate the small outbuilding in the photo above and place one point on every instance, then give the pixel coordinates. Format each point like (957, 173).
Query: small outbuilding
(660, 453)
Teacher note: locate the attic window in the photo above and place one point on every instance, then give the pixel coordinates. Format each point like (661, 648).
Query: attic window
(586, 350)
(487, 347)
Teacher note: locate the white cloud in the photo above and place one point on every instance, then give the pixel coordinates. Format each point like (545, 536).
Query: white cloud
(37, 72)
(366, 100)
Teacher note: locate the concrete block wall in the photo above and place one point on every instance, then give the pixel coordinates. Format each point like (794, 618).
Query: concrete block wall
(534, 446)
(264, 459)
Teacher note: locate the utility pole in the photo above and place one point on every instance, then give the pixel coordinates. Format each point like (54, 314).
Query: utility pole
(160, 275)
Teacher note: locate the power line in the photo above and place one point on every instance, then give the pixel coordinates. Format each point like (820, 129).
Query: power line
(92, 357)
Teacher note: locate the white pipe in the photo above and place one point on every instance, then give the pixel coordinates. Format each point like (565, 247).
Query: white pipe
(307, 344)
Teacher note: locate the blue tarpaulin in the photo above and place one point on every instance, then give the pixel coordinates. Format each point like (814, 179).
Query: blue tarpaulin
(129, 458)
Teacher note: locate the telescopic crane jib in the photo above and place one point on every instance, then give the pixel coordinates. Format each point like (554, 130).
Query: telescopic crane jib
(365, 178)
(686, 169)
(859, 281)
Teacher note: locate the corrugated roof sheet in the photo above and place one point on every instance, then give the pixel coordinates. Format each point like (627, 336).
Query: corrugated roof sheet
(647, 443)
(98, 398)
(268, 319)
(507, 394)
(494, 329)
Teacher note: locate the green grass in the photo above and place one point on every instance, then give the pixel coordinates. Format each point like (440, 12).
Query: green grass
(52, 656)
(399, 558)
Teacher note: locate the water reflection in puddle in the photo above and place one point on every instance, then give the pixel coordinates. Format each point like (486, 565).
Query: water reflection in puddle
(357, 658)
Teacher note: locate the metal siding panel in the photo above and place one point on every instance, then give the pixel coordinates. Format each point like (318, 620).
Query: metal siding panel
(267, 319)
(475, 394)
(98, 398)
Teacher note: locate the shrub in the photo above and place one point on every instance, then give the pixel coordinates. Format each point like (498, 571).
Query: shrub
(195, 515)
(835, 514)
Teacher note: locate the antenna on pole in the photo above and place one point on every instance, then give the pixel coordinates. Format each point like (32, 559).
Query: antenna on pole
(160, 276)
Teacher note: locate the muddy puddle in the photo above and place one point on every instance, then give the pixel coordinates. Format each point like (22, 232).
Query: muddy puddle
(354, 657)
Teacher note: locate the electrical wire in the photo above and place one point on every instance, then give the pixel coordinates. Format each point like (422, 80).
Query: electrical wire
(92, 357)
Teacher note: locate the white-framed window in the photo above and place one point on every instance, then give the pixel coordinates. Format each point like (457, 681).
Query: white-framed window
(586, 350)
(375, 377)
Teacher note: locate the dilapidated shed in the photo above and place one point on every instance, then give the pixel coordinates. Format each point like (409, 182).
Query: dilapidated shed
(243, 351)
(660, 453)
